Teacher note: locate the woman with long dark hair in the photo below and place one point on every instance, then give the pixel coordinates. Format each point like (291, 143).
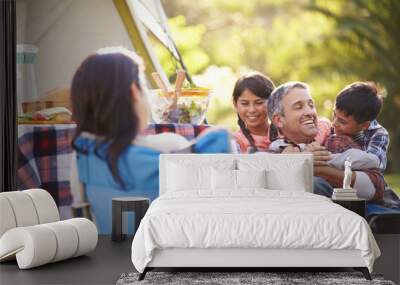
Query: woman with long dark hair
(250, 97)
(110, 109)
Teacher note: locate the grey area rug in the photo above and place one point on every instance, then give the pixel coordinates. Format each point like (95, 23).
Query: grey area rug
(225, 278)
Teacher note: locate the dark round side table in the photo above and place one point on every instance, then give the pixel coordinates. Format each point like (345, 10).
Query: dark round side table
(138, 205)
(355, 205)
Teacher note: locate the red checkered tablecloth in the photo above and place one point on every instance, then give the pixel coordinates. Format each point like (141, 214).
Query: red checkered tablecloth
(186, 130)
(44, 155)
(44, 159)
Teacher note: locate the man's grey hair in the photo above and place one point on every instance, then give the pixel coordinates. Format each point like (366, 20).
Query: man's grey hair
(276, 97)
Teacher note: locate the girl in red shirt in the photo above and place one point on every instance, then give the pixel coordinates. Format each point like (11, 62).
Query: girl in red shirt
(250, 101)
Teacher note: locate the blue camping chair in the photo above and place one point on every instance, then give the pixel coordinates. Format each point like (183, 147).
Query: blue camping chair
(138, 169)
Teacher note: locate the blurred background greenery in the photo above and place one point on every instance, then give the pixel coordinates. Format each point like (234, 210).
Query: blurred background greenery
(327, 44)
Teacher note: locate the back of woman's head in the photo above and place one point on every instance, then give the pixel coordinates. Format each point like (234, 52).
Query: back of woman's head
(101, 94)
(258, 84)
(102, 103)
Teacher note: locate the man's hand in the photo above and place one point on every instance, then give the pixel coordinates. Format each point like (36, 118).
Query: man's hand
(321, 155)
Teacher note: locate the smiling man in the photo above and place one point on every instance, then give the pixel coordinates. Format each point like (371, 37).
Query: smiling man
(293, 115)
(292, 112)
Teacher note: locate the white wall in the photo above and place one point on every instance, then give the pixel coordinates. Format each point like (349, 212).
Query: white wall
(66, 31)
(21, 20)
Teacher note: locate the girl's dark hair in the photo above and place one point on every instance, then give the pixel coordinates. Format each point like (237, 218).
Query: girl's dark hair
(273, 132)
(258, 84)
(102, 103)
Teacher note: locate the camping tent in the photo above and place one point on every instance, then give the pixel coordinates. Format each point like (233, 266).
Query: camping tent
(66, 31)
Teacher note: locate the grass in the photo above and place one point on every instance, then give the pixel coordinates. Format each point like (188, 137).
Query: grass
(394, 181)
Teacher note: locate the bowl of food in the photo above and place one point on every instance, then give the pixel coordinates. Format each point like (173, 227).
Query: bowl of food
(187, 107)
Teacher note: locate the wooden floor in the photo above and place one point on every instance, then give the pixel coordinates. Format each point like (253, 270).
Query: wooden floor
(102, 266)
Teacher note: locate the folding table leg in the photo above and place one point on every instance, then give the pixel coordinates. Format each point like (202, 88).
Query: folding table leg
(117, 221)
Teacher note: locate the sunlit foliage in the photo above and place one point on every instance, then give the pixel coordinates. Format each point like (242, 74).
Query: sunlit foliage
(327, 44)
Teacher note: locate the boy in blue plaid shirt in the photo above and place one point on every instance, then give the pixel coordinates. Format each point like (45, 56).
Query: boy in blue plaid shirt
(356, 109)
(355, 126)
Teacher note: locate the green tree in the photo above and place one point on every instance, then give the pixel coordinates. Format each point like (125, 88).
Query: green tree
(187, 38)
(327, 44)
(264, 35)
(365, 43)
